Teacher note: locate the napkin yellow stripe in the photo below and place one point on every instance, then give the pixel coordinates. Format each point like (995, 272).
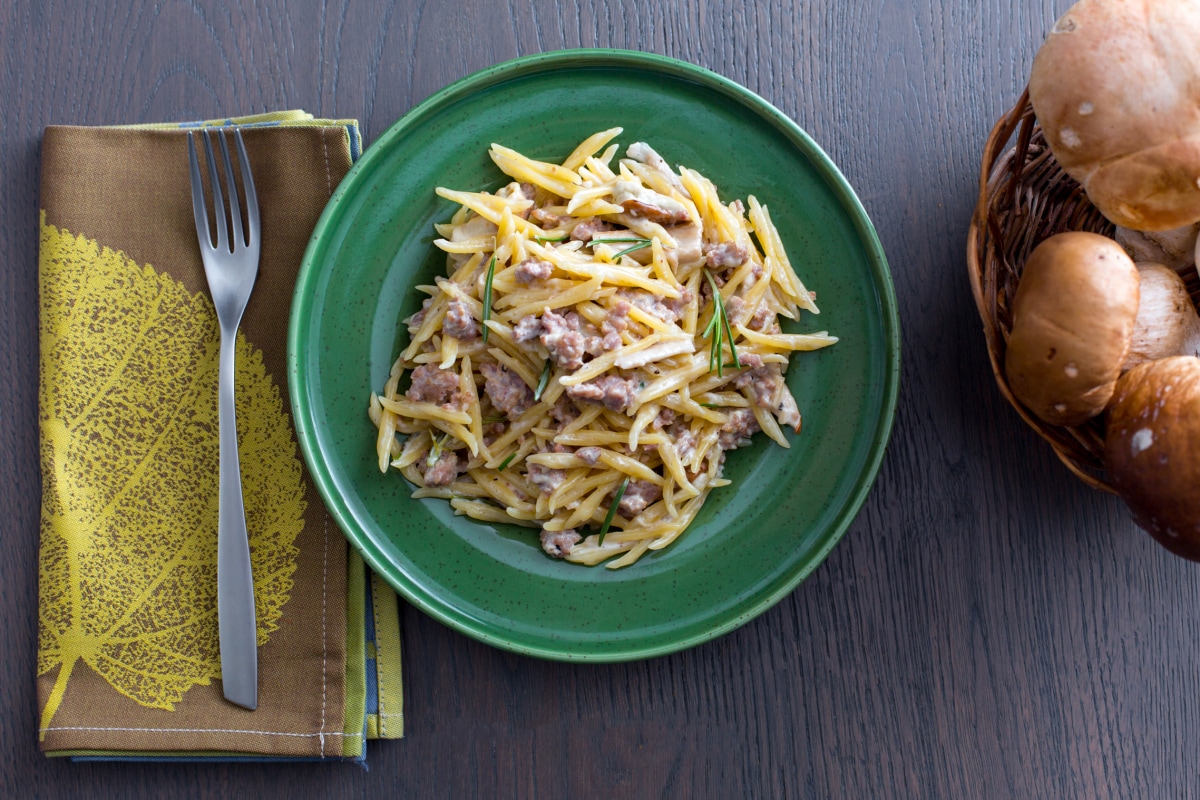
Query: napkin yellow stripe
(388, 723)
(288, 118)
(115, 729)
(356, 656)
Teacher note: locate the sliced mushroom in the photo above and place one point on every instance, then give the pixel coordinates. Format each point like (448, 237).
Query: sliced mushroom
(638, 201)
(687, 251)
(644, 153)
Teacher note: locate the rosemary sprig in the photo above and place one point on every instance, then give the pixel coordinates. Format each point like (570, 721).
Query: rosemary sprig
(638, 242)
(487, 296)
(718, 327)
(712, 347)
(619, 240)
(612, 509)
(504, 464)
(633, 249)
(737, 364)
(542, 381)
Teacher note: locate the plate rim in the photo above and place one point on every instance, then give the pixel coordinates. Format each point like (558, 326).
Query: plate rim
(302, 409)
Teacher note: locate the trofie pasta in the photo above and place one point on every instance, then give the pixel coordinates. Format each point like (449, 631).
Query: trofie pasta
(606, 330)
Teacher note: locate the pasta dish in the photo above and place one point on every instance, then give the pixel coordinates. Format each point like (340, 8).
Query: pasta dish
(606, 330)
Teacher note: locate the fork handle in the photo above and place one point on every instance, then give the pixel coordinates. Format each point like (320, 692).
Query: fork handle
(235, 581)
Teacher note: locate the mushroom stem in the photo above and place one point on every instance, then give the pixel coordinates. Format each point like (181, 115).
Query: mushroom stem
(1175, 248)
(1167, 323)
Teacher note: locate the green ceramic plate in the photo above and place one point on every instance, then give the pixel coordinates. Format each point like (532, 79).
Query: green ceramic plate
(755, 540)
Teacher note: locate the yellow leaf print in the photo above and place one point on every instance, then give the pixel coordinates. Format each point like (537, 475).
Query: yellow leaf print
(128, 404)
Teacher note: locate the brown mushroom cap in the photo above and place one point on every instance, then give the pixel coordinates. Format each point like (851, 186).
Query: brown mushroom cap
(1152, 450)
(1073, 318)
(1116, 87)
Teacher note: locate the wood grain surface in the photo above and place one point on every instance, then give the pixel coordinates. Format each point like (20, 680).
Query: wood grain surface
(988, 628)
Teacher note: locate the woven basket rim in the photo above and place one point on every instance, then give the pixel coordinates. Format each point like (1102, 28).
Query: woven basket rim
(1004, 168)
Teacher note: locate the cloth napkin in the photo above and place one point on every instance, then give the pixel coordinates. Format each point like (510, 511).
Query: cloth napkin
(128, 661)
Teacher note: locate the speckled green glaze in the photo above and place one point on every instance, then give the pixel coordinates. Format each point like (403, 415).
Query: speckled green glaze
(755, 540)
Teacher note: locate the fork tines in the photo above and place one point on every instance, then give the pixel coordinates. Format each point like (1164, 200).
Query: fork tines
(224, 241)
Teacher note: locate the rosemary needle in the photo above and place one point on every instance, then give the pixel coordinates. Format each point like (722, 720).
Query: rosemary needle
(714, 351)
(633, 249)
(487, 296)
(720, 329)
(612, 509)
(638, 242)
(542, 381)
(620, 240)
(435, 451)
(504, 464)
(729, 335)
(714, 330)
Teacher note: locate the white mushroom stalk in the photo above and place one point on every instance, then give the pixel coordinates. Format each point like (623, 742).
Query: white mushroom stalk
(1167, 323)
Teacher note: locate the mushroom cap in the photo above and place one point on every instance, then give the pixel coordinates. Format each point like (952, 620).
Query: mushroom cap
(1116, 87)
(1152, 450)
(1073, 317)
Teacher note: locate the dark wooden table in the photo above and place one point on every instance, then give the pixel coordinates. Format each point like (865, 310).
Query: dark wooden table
(988, 627)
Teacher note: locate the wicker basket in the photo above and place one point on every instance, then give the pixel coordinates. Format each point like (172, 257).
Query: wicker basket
(1025, 197)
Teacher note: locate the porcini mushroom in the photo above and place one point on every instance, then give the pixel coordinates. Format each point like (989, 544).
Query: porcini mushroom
(1152, 450)
(1073, 318)
(1116, 87)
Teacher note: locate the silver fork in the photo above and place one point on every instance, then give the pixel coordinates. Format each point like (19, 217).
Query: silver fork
(231, 267)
